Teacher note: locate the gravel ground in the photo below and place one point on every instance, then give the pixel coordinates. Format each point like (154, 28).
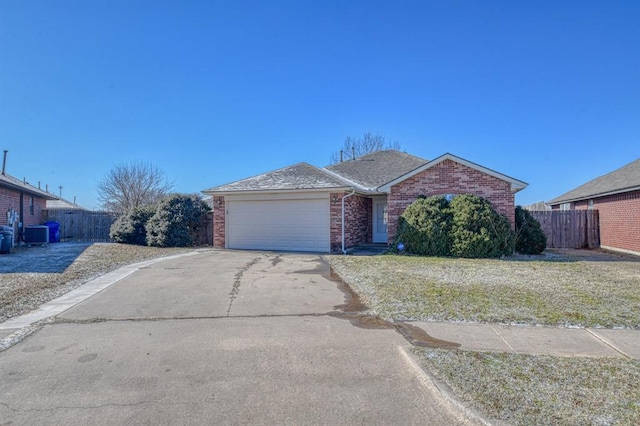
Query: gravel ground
(32, 276)
(571, 288)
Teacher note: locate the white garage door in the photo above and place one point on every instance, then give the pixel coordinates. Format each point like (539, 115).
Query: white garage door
(295, 225)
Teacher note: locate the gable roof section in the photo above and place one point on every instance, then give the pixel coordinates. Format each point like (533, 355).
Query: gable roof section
(301, 176)
(375, 169)
(624, 179)
(516, 185)
(62, 204)
(8, 181)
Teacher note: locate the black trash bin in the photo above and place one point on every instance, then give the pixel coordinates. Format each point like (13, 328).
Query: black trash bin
(7, 240)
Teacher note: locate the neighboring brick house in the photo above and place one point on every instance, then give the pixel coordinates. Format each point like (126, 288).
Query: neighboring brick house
(331, 209)
(616, 196)
(21, 204)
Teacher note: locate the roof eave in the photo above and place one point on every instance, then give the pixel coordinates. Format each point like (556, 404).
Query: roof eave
(275, 191)
(557, 201)
(35, 192)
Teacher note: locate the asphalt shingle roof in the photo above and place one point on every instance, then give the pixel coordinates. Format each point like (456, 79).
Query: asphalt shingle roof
(296, 177)
(378, 168)
(624, 178)
(9, 181)
(62, 204)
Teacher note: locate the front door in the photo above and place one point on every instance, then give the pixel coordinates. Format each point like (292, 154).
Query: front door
(380, 221)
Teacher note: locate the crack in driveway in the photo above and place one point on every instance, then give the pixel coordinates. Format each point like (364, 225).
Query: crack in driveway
(237, 279)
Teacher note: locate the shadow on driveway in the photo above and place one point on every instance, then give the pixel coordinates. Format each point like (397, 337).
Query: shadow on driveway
(50, 258)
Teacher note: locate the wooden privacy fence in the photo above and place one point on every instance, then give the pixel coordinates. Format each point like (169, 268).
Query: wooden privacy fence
(94, 226)
(570, 228)
(82, 225)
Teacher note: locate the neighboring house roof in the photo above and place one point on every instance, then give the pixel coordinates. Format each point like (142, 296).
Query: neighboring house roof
(516, 185)
(377, 168)
(16, 184)
(624, 179)
(208, 201)
(536, 207)
(302, 176)
(62, 204)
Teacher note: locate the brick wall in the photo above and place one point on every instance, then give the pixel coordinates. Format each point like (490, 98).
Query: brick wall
(218, 222)
(580, 205)
(449, 177)
(335, 221)
(10, 200)
(620, 220)
(357, 218)
(39, 206)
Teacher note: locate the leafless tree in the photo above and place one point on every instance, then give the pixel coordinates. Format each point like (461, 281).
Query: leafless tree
(130, 185)
(357, 147)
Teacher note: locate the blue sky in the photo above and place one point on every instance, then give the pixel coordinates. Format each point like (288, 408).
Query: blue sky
(215, 91)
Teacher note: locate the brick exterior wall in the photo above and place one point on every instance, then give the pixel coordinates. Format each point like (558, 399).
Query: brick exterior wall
(335, 221)
(619, 219)
(10, 199)
(449, 177)
(219, 222)
(357, 217)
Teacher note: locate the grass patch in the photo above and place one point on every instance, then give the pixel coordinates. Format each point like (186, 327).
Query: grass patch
(542, 390)
(591, 289)
(557, 290)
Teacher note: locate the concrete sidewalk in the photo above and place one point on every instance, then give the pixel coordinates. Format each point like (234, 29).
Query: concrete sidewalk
(537, 340)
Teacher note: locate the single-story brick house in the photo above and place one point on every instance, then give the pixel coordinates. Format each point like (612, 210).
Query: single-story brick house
(21, 204)
(616, 196)
(331, 209)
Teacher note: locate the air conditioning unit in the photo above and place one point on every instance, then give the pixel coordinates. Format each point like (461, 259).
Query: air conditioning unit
(37, 234)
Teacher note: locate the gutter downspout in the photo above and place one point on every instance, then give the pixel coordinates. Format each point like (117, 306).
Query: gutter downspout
(353, 191)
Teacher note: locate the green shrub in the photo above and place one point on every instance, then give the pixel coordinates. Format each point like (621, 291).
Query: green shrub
(177, 222)
(529, 236)
(477, 230)
(130, 227)
(424, 227)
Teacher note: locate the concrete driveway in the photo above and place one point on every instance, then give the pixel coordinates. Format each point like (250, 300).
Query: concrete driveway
(221, 337)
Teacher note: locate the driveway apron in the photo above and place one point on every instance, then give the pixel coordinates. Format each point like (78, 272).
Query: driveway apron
(221, 337)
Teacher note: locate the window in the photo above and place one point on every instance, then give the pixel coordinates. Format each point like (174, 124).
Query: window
(31, 206)
(590, 204)
(565, 206)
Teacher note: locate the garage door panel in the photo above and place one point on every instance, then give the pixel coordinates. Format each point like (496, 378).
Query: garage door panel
(301, 225)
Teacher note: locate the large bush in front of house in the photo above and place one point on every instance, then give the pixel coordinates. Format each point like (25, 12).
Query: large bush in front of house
(477, 230)
(529, 236)
(466, 226)
(425, 227)
(178, 221)
(130, 227)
